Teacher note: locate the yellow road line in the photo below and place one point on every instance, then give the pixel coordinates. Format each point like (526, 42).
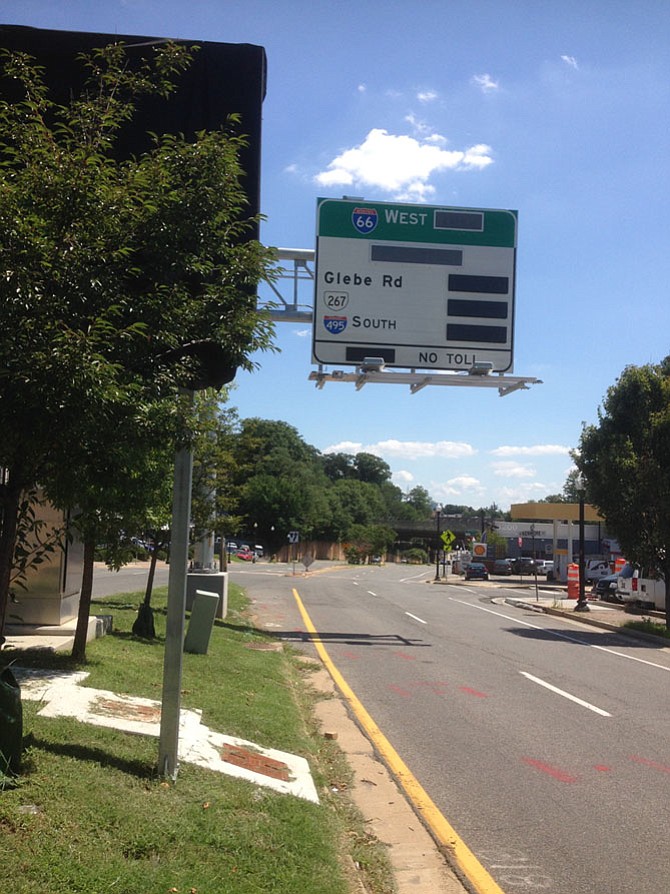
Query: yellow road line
(443, 832)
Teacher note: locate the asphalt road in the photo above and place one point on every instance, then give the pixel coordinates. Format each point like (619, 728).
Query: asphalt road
(129, 579)
(545, 743)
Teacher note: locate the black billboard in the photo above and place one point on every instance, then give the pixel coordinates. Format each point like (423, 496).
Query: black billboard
(222, 79)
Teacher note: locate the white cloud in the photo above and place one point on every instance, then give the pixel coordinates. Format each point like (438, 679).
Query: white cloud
(426, 96)
(415, 192)
(485, 82)
(361, 88)
(425, 131)
(510, 469)
(398, 163)
(420, 127)
(461, 485)
(571, 61)
(402, 477)
(536, 450)
(522, 493)
(423, 449)
(302, 333)
(407, 449)
(345, 447)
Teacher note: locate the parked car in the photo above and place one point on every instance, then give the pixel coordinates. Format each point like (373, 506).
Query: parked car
(524, 565)
(545, 566)
(246, 555)
(596, 568)
(502, 566)
(476, 571)
(605, 588)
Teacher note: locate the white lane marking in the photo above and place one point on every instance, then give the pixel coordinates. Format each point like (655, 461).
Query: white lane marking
(573, 698)
(498, 614)
(572, 639)
(420, 620)
(418, 576)
(371, 593)
(632, 658)
(355, 583)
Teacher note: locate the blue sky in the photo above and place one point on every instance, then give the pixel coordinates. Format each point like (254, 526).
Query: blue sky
(558, 110)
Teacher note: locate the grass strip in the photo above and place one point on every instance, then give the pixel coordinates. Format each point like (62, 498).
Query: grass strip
(649, 626)
(89, 813)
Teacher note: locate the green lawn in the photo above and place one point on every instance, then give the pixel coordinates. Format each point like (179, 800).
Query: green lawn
(89, 813)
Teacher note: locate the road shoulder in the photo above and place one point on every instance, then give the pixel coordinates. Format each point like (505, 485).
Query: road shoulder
(417, 862)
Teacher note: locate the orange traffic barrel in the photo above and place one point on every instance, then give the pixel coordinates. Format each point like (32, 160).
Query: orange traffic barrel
(573, 581)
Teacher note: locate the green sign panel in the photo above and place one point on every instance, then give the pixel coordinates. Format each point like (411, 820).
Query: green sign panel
(347, 219)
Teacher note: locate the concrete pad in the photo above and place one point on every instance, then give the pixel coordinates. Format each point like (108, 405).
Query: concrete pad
(208, 749)
(57, 638)
(63, 696)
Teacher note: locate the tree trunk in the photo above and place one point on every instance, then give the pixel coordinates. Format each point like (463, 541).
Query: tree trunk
(81, 633)
(152, 572)
(144, 622)
(9, 508)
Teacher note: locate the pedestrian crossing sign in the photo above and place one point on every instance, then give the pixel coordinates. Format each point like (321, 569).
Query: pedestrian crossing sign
(447, 538)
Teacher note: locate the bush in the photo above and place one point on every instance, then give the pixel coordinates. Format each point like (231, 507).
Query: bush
(415, 556)
(354, 555)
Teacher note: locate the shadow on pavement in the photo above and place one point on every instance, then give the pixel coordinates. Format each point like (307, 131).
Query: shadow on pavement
(583, 637)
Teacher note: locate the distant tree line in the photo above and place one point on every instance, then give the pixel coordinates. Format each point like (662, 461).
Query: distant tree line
(276, 482)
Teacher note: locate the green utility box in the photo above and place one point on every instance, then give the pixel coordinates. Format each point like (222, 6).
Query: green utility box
(200, 625)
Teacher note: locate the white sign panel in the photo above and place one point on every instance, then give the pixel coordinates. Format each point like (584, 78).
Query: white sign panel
(415, 286)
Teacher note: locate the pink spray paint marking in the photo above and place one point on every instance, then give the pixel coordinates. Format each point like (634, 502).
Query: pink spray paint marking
(471, 691)
(400, 691)
(662, 768)
(555, 772)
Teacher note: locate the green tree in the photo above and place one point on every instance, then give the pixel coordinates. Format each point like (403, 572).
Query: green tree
(215, 496)
(371, 468)
(118, 278)
(421, 502)
(282, 485)
(366, 541)
(353, 503)
(395, 508)
(338, 465)
(625, 460)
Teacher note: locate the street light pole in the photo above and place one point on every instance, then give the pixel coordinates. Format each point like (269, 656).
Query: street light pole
(582, 604)
(437, 547)
(168, 741)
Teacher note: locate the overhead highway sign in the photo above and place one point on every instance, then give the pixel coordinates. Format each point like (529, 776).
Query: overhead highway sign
(414, 286)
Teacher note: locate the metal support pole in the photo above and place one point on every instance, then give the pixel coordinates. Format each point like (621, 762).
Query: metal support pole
(168, 744)
(437, 548)
(582, 604)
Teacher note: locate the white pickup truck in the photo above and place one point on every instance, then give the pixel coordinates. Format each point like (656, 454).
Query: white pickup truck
(647, 591)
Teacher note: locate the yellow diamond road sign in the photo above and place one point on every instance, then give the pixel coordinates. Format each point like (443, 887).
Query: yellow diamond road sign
(448, 538)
